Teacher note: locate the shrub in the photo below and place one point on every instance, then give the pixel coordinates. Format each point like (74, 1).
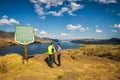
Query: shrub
(60, 77)
(3, 66)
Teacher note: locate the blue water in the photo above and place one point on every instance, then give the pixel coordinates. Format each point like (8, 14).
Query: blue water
(36, 48)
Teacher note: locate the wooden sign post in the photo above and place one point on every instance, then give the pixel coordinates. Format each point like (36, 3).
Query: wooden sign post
(24, 35)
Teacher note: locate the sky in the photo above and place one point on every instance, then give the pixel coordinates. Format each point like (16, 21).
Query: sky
(63, 19)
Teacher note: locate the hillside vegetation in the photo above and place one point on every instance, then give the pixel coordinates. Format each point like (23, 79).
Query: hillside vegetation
(77, 64)
(7, 42)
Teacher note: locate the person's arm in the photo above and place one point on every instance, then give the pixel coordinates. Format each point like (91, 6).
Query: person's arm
(60, 50)
(54, 50)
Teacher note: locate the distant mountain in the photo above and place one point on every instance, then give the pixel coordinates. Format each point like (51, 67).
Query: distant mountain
(97, 41)
(54, 40)
(4, 34)
(114, 40)
(41, 40)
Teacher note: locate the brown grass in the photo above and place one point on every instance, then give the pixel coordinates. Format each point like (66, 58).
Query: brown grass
(75, 66)
(4, 42)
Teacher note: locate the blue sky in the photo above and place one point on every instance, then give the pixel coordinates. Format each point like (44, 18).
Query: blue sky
(63, 19)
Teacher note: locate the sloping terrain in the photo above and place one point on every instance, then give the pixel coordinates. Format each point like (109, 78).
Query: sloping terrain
(75, 66)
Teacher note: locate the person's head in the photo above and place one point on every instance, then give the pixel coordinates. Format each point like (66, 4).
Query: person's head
(59, 45)
(52, 43)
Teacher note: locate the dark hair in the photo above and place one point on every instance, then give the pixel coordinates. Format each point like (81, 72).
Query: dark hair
(59, 44)
(51, 43)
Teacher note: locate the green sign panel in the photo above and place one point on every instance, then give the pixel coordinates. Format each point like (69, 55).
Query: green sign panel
(24, 34)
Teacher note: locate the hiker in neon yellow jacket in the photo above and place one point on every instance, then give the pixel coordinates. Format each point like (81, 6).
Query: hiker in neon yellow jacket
(51, 52)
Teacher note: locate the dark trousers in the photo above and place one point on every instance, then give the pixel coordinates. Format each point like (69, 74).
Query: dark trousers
(51, 58)
(59, 61)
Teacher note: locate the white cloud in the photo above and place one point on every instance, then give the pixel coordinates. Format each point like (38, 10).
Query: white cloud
(36, 30)
(42, 17)
(43, 33)
(117, 25)
(43, 7)
(118, 14)
(13, 21)
(39, 9)
(55, 13)
(98, 30)
(75, 6)
(64, 9)
(77, 27)
(59, 13)
(6, 21)
(105, 1)
(28, 24)
(52, 36)
(71, 27)
(87, 28)
(114, 30)
(33, 1)
(97, 26)
(4, 17)
(64, 34)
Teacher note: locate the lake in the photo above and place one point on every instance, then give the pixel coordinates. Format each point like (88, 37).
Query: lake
(35, 48)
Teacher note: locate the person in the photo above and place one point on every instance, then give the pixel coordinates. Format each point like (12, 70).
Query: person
(59, 54)
(51, 52)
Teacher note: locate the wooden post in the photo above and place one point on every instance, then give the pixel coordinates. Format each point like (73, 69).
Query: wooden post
(25, 54)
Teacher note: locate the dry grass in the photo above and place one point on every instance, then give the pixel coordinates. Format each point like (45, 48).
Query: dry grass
(107, 51)
(7, 42)
(75, 66)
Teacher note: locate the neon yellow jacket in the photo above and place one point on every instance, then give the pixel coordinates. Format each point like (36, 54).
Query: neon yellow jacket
(51, 49)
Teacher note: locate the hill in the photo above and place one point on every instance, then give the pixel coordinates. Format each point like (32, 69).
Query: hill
(54, 40)
(76, 65)
(97, 41)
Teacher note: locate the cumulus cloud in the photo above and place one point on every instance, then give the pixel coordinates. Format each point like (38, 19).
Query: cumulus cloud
(55, 13)
(114, 31)
(64, 34)
(43, 33)
(74, 6)
(76, 27)
(35, 30)
(59, 13)
(117, 25)
(6, 21)
(52, 36)
(98, 30)
(105, 1)
(43, 7)
(39, 9)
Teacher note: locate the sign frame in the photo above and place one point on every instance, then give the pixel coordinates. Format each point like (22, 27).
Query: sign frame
(24, 34)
